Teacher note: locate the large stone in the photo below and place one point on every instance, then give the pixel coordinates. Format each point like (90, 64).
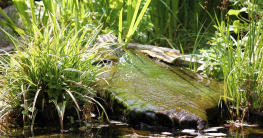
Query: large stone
(145, 91)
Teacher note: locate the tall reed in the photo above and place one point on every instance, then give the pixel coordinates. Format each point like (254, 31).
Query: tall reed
(237, 48)
(133, 19)
(181, 22)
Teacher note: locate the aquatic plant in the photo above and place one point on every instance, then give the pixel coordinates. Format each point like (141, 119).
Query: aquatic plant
(52, 62)
(126, 25)
(179, 23)
(236, 50)
(132, 19)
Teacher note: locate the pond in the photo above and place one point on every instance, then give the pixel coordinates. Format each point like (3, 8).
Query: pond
(118, 129)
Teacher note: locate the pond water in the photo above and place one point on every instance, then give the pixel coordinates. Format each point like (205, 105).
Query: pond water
(113, 130)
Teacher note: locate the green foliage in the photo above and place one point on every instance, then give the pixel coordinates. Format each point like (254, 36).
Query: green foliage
(53, 62)
(115, 4)
(180, 23)
(10, 23)
(22, 11)
(120, 17)
(236, 52)
(61, 110)
(71, 120)
(166, 23)
(132, 19)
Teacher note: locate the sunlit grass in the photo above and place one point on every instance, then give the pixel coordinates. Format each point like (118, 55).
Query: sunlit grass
(53, 62)
(240, 59)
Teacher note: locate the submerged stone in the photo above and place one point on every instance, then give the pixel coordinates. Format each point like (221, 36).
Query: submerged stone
(145, 91)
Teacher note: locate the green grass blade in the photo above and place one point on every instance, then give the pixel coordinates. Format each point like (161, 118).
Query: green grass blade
(120, 26)
(129, 14)
(99, 105)
(21, 9)
(33, 119)
(35, 100)
(73, 98)
(10, 24)
(78, 115)
(32, 9)
(134, 17)
(133, 27)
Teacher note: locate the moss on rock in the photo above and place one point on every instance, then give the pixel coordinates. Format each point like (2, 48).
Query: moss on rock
(156, 94)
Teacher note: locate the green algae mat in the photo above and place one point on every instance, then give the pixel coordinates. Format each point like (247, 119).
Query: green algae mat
(145, 91)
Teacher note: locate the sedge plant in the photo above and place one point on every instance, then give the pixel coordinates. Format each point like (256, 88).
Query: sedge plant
(53, 63)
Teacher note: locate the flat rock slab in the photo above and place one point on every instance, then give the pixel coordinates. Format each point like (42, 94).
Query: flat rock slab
(145, 91)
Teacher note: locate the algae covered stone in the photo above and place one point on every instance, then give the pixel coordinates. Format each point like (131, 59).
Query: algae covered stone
(145, 91)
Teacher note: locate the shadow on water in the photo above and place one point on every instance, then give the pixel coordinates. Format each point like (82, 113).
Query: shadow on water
(113, 131)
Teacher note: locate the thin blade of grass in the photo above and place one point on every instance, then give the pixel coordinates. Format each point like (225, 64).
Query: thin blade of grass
(33, 119)
(120, 26)
(73, 98)
(35, 100)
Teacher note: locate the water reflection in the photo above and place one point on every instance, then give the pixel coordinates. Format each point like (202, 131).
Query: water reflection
(113, 131)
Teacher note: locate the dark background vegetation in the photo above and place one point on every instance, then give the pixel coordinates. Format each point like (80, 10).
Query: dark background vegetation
(5, 3)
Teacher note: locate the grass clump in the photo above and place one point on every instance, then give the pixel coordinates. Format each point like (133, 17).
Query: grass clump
(236, 57)
(52, 65)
